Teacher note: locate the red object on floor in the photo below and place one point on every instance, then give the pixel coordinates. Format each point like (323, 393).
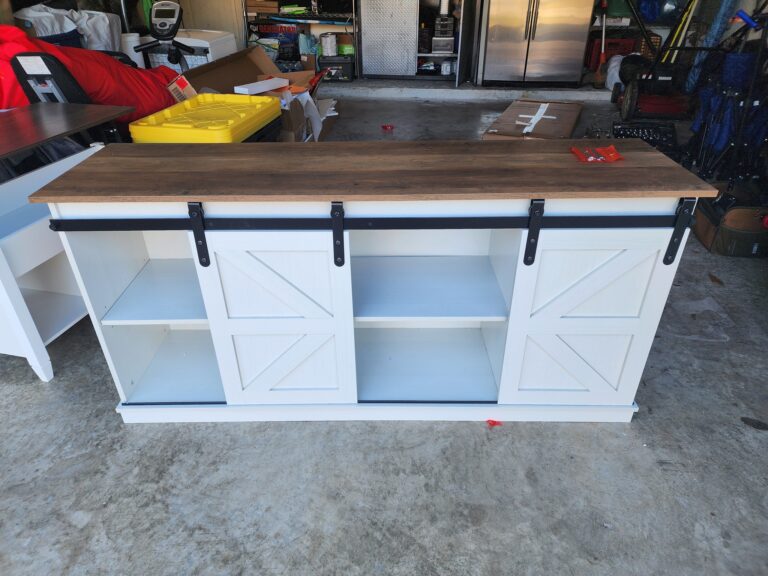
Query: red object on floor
(494, 423)
(765, 222)
(104, 79)
(388, 127)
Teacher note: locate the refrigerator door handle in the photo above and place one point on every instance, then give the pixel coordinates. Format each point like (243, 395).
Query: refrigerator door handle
(535, 20)
(528, 19)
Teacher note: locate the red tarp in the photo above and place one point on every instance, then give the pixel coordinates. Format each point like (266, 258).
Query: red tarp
(104, 79)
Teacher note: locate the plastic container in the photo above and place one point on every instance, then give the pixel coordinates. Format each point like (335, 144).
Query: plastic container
(207, 119)
(127, 44)
(328, 44)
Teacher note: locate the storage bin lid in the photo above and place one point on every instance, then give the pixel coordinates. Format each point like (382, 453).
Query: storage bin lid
(207, 118)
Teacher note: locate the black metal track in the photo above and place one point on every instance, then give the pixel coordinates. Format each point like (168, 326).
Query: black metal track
(416, 223)
(337, 223)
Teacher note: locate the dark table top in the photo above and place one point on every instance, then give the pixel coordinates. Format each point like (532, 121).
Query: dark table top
(25, 128)
(370, 171)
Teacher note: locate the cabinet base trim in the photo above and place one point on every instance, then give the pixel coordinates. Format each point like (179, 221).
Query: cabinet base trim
(344, 412)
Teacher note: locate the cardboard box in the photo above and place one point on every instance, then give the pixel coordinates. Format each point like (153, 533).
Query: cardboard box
(263, 6)
(253, 65)
(181, 89)
(294, 127)
(535, 119)
(241, 68)
(739, 232)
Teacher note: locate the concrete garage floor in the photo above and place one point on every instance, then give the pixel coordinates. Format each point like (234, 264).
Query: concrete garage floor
(682, 490)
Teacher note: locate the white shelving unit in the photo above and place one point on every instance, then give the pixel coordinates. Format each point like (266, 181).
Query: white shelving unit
(39, 299)
(402, 281)
(417, 324)
(145, 299)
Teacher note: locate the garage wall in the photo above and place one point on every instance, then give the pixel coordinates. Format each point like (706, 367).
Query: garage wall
(226, 15)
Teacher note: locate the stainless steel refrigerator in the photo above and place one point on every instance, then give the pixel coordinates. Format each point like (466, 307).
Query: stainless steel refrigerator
(536, 40)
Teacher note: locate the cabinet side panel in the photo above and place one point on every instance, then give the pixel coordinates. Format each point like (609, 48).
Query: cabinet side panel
(131, 349)
(108, 263)
(504, 251)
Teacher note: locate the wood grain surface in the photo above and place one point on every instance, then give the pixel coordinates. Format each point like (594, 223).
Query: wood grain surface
(25, 128)
(349, 171)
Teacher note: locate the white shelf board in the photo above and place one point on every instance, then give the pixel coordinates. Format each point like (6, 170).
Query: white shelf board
(423, 365)
(426, 287)
(184, 370)
(52, 312)
(164, 291)
(12, 222)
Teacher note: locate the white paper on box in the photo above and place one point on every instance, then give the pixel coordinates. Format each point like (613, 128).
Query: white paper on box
(262, 86)
(33, 65)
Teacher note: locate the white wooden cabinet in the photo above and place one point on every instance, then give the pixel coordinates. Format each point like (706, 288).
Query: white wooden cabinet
(417, 324)
(39, 299)
(376, 281)
(280, 313)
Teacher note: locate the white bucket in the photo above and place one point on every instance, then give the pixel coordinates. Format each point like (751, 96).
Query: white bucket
(328, 44)
(127, 43)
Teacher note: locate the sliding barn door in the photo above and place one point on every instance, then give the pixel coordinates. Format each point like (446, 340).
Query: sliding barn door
(280, 314)
(584, 316)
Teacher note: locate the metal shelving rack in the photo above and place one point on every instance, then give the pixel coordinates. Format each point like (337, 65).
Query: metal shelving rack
(309, 20)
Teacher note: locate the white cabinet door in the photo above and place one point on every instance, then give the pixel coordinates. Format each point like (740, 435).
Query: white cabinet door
(280, 314)
(584, 316)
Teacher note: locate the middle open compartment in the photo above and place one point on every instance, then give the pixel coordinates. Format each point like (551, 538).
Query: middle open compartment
(431, 309)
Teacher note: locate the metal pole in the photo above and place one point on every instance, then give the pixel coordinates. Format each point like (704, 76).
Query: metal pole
(124, 15)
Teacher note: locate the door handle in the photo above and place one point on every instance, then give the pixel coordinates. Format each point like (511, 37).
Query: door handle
(528, 19)
(535, 20)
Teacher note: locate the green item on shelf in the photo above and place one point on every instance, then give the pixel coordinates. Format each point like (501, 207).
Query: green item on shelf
(147, 6)
(346, 50)
(293, 9)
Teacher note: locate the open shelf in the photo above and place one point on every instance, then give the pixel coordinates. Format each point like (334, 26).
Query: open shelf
(12, 222)
(164, 291)
(423, 365)
(426, 287)
(183, 371)
(53, 313)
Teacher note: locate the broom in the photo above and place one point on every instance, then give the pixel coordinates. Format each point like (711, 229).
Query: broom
(599, 81)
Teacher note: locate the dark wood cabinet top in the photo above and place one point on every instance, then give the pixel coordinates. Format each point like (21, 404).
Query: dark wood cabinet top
(25, 128)
(349, 171)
